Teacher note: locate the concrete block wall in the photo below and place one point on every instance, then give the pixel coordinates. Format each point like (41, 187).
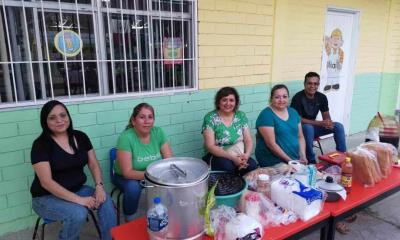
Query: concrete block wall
(235, 42)
(180, 115)
(365, 102)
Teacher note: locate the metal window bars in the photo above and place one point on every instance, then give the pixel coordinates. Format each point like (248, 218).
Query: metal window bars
(119, 48)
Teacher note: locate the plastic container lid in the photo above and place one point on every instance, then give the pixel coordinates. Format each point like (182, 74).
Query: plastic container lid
(263, 177)
(157, 200)
(329, 185)
(177, 171)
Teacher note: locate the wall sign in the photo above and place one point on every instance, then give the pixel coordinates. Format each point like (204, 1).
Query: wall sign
(68, 43)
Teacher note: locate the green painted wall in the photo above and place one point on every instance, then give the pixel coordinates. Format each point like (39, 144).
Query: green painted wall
(388, 93)
(365, 102)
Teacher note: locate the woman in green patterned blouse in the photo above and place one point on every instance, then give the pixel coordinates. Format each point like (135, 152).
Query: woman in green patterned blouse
(227, 137)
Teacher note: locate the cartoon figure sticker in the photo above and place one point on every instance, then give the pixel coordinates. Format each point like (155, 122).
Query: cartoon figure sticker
(68, 43)
(335, 55)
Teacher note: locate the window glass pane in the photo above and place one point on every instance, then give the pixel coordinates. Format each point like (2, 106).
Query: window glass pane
(126, 4)
(129, 57)
(165, 5)
(24, 81)
(59, 77)
(6, 83)
(4, 47)
(65, 1)
(91, 78)
(21, 41)
(68, 23)
(87, 36)
(133, 76)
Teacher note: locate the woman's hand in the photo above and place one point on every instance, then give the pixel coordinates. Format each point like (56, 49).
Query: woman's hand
(99, 195)
(89, 202)
(303, 161)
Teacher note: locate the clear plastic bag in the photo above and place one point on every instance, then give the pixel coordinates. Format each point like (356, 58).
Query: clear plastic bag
(251, 177)
(365, 166)
(386, 155)
(219, 217)
(290, 193)
(265, 211)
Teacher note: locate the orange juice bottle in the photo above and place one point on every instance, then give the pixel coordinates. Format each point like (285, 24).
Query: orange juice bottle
(347, 174)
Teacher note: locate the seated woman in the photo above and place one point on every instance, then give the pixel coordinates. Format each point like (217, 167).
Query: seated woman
(279, 134)
(139, 145)
(59, 156)
(226, 133)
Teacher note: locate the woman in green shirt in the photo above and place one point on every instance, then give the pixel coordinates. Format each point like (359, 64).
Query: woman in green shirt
(139, 145)
(226, 133)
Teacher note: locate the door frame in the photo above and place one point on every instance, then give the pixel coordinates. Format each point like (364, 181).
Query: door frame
(352, 61)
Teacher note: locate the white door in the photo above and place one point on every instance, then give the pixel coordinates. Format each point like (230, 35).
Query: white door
(338, 62)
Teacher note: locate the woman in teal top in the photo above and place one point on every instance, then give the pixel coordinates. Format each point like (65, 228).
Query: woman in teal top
(279, 134)
(139, 145)
(226, 133)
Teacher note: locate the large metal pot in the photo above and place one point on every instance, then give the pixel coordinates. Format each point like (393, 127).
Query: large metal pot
(181, 183)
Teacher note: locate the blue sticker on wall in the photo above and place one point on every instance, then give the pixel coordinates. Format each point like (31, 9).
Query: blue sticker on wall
(68, 43)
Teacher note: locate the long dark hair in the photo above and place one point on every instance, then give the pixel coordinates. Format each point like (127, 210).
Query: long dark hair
(225, 91)
(136, 111)
(46, 132)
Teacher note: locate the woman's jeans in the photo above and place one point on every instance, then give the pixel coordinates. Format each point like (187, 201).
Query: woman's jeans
(310, 132)
(132, 190)
(223, 164)
(74, 215)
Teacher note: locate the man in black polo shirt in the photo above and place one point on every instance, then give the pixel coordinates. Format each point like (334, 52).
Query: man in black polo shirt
(308, 103)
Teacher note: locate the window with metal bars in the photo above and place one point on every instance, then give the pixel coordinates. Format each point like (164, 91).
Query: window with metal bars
(88, 49)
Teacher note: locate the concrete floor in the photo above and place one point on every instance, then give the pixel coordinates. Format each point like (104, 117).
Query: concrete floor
(380, 221)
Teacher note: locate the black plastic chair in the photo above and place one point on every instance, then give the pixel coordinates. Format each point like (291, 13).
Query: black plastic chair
(113, 157)
(47, 221)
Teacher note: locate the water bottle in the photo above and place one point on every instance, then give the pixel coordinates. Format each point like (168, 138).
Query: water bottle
(157, 220)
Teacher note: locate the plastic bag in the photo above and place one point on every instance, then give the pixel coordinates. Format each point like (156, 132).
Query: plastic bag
(265, 211)
(251, 177)
(290, 193)
(386, 155)
(219, 217)
(365, 166)
(243, 227)
(275, 214)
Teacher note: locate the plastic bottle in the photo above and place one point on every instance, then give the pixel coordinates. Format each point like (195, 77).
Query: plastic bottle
(264, 185)
(157, 220)
(347, 174)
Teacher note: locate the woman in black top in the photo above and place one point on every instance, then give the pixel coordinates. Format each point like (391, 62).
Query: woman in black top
(59, 156)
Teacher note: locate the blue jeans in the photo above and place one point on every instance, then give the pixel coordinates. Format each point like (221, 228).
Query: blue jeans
(132, 190)
(223, 164)
(310, 132)
(74, 215)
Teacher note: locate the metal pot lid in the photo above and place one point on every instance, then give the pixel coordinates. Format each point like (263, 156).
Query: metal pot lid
(177, 171)
(329, 185)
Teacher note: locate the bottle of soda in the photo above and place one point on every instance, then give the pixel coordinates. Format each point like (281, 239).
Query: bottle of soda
(347, 174)
(157, 220)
